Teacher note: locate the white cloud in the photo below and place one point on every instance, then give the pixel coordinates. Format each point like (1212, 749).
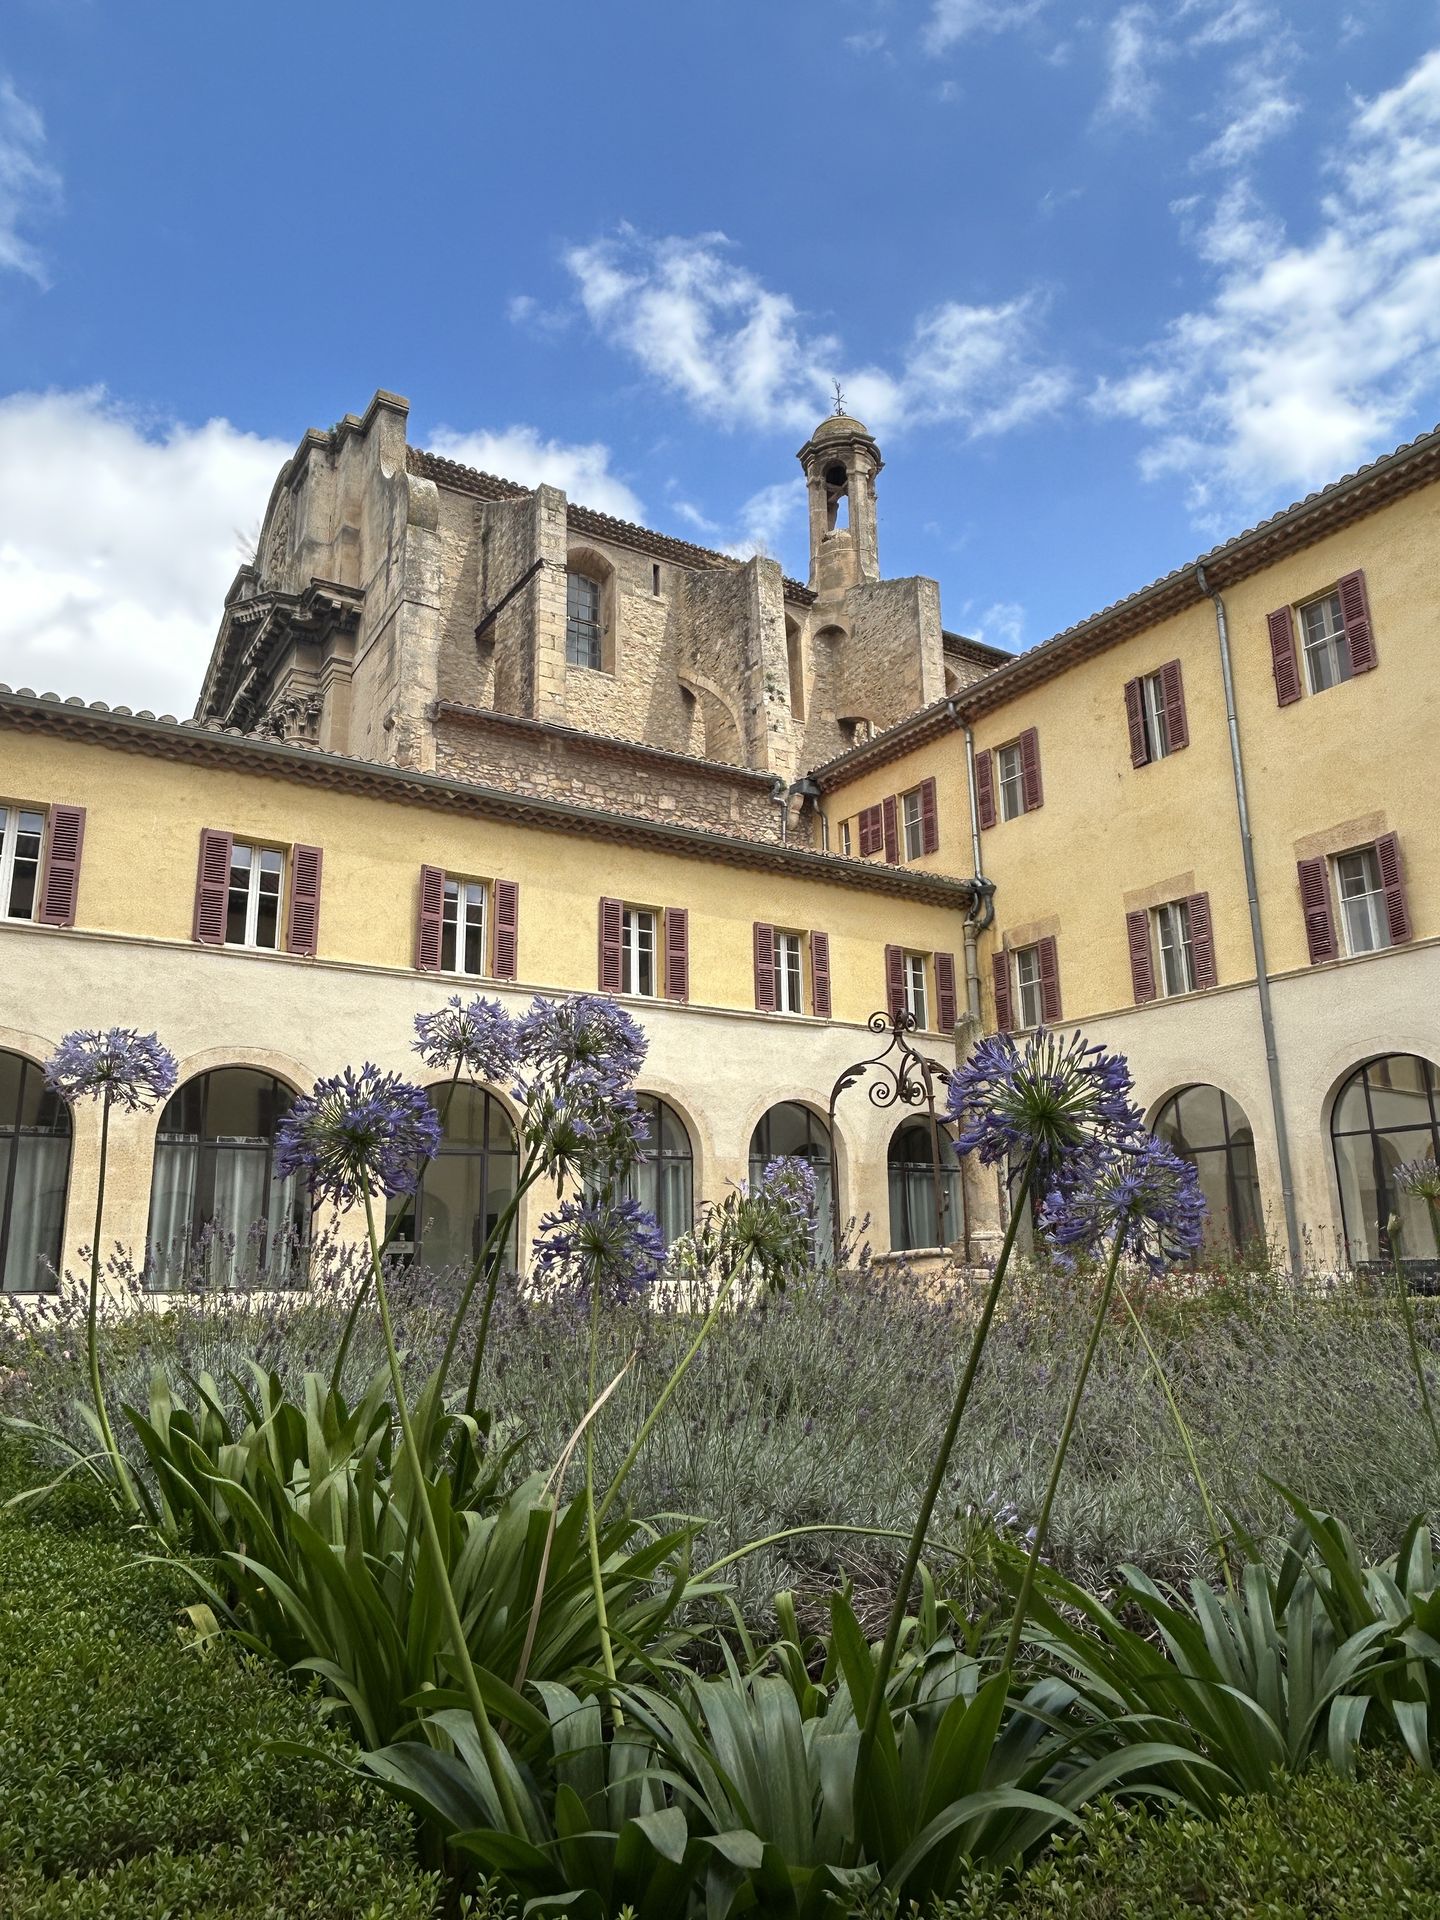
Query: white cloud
(765, 516)
(871, 41)
(1132, 48)
(741, 353)
(1002, 625)
(29, 185)
(1310, 355)
(1262, 108)
(954, 20)
(118, 539)
(520, 453)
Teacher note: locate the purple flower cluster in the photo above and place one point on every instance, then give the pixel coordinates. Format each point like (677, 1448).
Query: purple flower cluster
(127, 1068)
(480, 1040)
(600, 1242)
(789, 1182)
(578, 1062)
(1420, 1179)
(355, 1133)
(1052, 1098)
(1145, 1194)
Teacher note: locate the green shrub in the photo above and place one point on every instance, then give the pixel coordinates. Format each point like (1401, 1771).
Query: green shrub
(133, 1776)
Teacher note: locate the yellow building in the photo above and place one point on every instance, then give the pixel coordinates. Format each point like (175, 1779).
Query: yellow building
(460, 735)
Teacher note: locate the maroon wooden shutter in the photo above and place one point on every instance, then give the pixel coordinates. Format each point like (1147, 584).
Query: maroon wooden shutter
(985, 787)
(431, 923)
(611, 929)
(1049, 981)
(1030, 769)
(677, 953)
(1172, 688)
(929, 818)
(302, 923)
(1004, 1015)
(1392, 878)
(764, 967)
(871, 832)
(1202, 940)
(945, 1009)
(891, 814)
(507, 930)
(820, 975)
(1355, 610)
(1319, 918)
(62, 867)
(1282, 657)
(1135, 720)
(212, 883)
(1142, 958)
(895, 979)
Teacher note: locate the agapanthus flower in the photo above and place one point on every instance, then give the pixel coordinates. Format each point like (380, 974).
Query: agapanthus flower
(355, 1133)
(1420, 1179)
(1050, 1098)
(789, 1182)
(129, 1069)
(762, 1230)
(586, 1030)
(479, 1039)
(597, 1241)
(578, 1062)
(1146, 1194)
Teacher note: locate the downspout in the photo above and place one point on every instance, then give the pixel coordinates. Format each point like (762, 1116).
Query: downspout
(982, 913)
(1257, 932)
(780, 794)
(809, 794)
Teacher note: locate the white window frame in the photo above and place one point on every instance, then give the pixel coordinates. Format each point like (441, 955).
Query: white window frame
(845, 842)
(1175, 949)
(1330, 645)
(789, 972)
(640, 951)
(257, 851)
(1027, 986)
(916, 999)
(15, 814)
(1368, 902)
(912, 814)
(1010, 778)
(469, 915)
(1157, 727)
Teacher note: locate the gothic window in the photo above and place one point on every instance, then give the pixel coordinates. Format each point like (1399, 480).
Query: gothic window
(1209, 1129)
(1387, 1113)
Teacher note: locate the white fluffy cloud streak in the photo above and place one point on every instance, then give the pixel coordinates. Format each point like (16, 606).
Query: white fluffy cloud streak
(1310, 356)
(29, 185)
(954, 20)
(580, 469)
(740, 353)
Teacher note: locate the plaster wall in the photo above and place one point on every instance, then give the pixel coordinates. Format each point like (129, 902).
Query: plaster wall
(942, 760)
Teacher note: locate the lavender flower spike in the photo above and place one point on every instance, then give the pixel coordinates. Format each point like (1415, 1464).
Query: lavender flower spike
(612, 1245)
(130, 1069)
(357, 1132)
(1147, 1195)
(1051, 1098)
(480, 1039)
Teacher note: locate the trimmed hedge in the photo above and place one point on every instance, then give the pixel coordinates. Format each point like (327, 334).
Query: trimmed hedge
(132, 1780)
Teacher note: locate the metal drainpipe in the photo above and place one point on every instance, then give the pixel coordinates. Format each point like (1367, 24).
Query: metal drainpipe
(1257, 932)
(972, 925)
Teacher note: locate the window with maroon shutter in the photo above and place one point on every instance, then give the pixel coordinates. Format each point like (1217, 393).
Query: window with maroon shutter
(1030, 764)
(764, 967)
(929, 817)
(212, 882)
(872, 834)
(1004, 1015)
(430, 924)
(945, 1006)
(507, 930)
(1142, 957)
(1282, 657)
(1392, 879)
(1355, 611)
(677, 953)
(611, 926)
(1172, 687)
(1049, 981)
(890, 812)
(302, 926)
(985, 787)
(1202, 940)
(62, 867)
(1135, 720)
(1319, 914)
(895, 979)
(820, 975)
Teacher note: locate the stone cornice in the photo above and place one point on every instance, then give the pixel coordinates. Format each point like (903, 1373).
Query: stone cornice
(487, 720)
(196, 744)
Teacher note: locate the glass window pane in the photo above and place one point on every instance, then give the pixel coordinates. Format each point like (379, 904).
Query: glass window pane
(1195, 1120)
(1398, 1090)
(1359, 1195)
(1417, 1239)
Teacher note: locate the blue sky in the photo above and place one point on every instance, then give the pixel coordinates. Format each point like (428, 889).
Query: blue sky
(1108, 283)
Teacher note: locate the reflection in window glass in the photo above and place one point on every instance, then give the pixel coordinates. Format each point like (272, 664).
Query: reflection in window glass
(1386, 1113)
(466, 1187)
(793, 1130)
(1210, 1130)
(913, 1216)
(34, 1172)
(663, 1181)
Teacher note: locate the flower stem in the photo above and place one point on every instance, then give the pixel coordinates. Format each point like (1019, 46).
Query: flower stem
(489, 1253)
(597, 1580)
(1407, 1313)
(496, 1757)
(92, 1318)
(1042, 1525)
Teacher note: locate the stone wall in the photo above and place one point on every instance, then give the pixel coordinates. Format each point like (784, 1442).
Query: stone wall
(639, 696)
(891, 662)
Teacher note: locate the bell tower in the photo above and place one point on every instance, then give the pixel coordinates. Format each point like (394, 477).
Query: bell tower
(841, 461)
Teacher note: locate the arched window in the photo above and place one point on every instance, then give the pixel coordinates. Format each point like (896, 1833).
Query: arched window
(468, 1184)
(1208, 1128)
(34, 1173)
(664, 1179)
(913, 1214)
(791, 1130)
(216, 1215)
(1386, 1113)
